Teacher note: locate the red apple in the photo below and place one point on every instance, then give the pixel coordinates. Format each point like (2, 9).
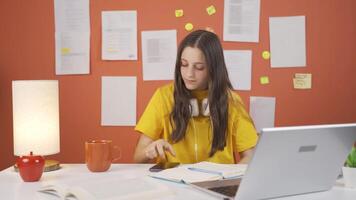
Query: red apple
(30, 167)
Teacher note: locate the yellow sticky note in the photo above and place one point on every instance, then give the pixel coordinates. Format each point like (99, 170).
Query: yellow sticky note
(302, 81)
(266, 55)
(65, 51)
(189, 26)
(179, 13)
(211, 10)
(264, 80)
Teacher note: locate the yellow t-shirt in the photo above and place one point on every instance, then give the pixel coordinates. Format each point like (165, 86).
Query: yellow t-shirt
(155, 124)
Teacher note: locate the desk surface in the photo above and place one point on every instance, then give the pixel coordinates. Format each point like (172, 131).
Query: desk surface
(12, 186)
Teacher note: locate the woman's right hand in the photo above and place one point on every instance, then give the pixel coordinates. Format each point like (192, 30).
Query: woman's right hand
(158, 148)
(148, 149)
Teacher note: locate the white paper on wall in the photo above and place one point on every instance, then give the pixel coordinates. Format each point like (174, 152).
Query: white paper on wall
(72, 37)
(72, 53)
(238, 63)
(241, 20)
(262, 111)
(71, 15)
(159, 49)
(118, 101)
(119, 35)
(287, 41)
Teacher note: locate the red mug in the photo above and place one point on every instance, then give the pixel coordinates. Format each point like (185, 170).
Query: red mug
(98, 155)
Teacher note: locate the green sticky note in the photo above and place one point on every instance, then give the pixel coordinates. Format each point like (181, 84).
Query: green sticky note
(264, 80)
(211, 10)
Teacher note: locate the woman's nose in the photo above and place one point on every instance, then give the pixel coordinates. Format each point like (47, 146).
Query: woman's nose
(190, 71)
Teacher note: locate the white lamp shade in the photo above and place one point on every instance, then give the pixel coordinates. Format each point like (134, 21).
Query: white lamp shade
(35, 117)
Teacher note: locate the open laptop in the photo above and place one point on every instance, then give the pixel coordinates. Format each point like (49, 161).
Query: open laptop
(289, 161)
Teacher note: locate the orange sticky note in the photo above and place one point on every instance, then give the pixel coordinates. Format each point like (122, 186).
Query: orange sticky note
(211, 10)
(264, 80)
(179, 13)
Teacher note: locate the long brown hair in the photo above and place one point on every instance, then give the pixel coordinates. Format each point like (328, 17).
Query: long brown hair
(219, 87)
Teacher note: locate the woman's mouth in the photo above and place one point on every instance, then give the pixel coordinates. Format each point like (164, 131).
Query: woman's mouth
(190, 81)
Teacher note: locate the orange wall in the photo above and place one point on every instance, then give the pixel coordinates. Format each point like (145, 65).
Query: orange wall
(27, 52)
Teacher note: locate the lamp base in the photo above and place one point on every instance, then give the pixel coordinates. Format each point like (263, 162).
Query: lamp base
(50, 165)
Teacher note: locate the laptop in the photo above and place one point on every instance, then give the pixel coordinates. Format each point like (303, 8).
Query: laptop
(290, 161)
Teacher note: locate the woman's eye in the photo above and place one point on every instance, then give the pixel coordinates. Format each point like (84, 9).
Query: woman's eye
(184, 65)
(199, 67)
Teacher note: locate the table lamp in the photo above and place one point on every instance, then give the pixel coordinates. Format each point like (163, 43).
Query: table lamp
(35, 125)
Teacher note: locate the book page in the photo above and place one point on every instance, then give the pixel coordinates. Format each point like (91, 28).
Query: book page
(62, 191)
(108, 189)
(125, 189)
(183, 174)
(55, 190)
(225, 170)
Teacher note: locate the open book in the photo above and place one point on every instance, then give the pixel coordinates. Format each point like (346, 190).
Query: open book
(109, 189)
(203, 171)
(224, 170)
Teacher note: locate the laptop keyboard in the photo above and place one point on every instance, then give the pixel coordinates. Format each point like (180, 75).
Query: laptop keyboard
(226, 190)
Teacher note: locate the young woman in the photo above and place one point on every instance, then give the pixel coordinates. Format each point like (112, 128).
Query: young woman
(199, 117)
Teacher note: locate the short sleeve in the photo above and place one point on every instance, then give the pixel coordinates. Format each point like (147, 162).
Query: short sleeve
(150, 122)
(245, 136)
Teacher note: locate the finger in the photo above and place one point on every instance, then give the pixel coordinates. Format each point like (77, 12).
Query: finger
(170, 149)
(148, 155)
(151, 152)
(160, 151)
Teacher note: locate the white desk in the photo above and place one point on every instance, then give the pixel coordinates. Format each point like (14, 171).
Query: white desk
(12, 186)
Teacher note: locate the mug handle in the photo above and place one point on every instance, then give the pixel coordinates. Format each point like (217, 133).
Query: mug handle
(116, 149)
